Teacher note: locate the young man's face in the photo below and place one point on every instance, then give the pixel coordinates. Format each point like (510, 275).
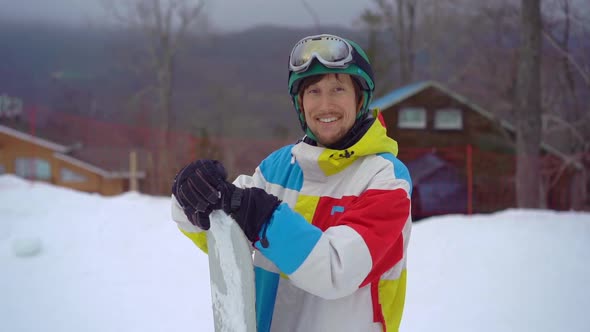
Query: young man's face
(330, 107)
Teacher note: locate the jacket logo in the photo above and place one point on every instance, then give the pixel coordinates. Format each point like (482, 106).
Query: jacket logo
(347, 154)
(337, 209)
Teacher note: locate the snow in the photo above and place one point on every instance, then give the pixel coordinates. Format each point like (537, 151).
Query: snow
(72, 261)
(511, 271)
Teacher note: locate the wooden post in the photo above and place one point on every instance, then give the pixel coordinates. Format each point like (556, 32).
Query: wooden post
(469, 179)
(151, 171)
(133, 185)
(32, 163)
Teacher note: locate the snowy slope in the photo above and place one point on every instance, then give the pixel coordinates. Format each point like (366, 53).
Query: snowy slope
(120, 264)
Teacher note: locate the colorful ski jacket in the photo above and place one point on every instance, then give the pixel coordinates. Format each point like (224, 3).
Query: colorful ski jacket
(336, 259)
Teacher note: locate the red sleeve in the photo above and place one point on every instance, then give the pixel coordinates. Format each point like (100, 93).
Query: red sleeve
(379, 216)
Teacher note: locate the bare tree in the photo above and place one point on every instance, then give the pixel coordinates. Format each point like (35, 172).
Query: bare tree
(528, 101)
(565, 119)
(398, 18)
(313, 14)
(566, 116)
(406, 26)
(164, 24)
(480, 60)
(381, 63)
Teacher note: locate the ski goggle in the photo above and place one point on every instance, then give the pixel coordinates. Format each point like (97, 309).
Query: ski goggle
(331, 51)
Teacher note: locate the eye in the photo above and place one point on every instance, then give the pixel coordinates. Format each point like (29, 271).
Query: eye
(312, 90)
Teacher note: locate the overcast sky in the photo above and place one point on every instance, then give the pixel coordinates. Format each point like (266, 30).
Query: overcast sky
(223, 14)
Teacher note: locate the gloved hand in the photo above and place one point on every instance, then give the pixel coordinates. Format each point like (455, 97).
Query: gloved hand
(252, 208)
(201, 187)
(196, 190)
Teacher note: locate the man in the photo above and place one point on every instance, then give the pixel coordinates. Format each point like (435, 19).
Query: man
(329, 217)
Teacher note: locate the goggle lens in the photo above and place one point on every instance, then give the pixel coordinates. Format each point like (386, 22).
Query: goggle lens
(329, 50)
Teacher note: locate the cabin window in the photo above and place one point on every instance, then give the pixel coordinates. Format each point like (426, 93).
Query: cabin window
(448, 118)
(412, 118)
(67, 175)
(33, 168)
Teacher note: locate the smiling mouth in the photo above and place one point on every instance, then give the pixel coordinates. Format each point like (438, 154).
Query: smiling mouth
(327, 120)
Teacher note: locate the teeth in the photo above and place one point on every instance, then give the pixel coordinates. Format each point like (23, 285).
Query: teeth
(327, 120)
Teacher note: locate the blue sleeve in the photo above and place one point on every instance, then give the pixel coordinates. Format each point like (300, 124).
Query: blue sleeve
(291, 238)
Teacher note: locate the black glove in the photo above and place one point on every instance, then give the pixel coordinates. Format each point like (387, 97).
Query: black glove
(197, 188)
(252, 208)
(201, 187)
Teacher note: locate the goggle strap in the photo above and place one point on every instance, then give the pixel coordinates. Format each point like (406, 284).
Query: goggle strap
(363, 64)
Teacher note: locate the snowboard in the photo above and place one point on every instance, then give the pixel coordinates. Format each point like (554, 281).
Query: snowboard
(231, 272)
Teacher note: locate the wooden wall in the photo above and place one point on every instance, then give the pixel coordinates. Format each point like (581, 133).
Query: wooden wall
(12, 148)
(493, 154)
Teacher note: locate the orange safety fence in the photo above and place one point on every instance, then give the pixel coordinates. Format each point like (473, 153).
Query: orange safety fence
(465, 179)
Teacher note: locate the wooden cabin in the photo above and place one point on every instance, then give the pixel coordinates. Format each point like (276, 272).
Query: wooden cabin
(32, 157)
(428, 118)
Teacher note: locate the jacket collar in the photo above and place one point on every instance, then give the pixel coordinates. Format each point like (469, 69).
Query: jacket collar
(331, 161)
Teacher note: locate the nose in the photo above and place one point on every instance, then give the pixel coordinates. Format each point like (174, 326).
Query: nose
(325, 100)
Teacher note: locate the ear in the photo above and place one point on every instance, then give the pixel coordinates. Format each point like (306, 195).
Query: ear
(300, 102)
(360, 104)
